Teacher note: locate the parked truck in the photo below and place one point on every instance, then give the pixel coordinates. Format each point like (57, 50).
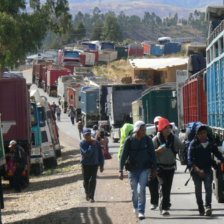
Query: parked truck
(195, 98)
(90, 105)
(50, 144)
(16, 124)
(215, 89)
(36, 156)
(74, 99)
(161, 101)
(118, 105)
(65, 82)
(52, 78)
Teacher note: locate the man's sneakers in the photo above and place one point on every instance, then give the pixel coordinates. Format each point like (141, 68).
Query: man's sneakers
(153, 207)
(141, 216)
(165, 212)
(208, 211)
(201, 210)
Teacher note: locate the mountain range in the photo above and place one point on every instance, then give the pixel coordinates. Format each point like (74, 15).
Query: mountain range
(162, 8)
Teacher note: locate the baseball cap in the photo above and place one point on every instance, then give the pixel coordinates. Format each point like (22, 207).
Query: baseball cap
(156, 119)
(86, 131)
(163, 123)
(138, 125)
(11, 143)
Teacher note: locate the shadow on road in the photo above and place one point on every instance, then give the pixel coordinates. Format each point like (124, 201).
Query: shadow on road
(46, 184)
(94, 215)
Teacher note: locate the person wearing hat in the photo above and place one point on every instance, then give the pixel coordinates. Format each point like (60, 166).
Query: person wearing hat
(91, 159)
(200, 153)
(139, 159)
(153, 183)
(19, 157)
(166, 146)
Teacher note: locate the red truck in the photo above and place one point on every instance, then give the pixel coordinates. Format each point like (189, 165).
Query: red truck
(16, 124)
(195, 99)
(52, 78)
(37, 72)
(74, 99)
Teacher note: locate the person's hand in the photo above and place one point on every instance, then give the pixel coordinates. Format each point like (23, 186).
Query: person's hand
(121, 176)
(154, 174)
(93, 141)
(101, 169)
(201, 173)
(161, 149)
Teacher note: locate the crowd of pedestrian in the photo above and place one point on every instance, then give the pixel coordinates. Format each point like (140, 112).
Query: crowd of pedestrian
(151, 160)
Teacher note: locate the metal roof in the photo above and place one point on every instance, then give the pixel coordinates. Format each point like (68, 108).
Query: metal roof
(157, 63)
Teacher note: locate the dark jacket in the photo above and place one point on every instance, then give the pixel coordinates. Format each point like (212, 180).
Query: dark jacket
(202, 157)
(142, 153)
(20, 156)
(91, 154)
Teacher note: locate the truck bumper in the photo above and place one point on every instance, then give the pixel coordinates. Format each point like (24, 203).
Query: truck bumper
(36, 160)
(57, 147)
(48, 154)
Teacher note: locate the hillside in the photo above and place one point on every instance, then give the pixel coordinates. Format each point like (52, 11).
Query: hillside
(162, 8)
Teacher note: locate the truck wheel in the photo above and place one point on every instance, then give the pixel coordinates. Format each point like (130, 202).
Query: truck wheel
(26, 180)
(11, 182)
(115, 140)
(37, 169)
(58, 153)
(53, 162)
(218, 186)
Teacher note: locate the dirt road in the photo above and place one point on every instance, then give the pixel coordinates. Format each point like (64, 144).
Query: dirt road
(57, 196)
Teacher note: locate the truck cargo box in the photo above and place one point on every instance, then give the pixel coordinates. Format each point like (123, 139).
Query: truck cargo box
(195, 99)
(161, 101)
(15, 109)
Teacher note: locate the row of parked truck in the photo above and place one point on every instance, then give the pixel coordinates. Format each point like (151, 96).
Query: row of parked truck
(27, 118)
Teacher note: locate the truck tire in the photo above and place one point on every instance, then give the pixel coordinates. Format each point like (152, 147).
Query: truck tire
(115, 140)
(50, 163)
(26, 180)
(37, 169)
(218, 185)
(58, 153)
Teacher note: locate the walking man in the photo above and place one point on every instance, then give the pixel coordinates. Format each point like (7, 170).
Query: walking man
(91, 159)
(58, 112)
(20, 160)
(80, 128)
(139, 159)
(167, 145)
(71, 114)
(200, 160)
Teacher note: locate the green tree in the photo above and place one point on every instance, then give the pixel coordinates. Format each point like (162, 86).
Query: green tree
(80, 31)
(112, 30)
(22, 32)
(97, 30)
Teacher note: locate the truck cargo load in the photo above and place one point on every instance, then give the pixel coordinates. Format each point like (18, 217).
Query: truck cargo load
(161, 101)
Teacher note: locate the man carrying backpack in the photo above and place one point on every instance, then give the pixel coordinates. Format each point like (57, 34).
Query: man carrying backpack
(200, 160)
(139, 159)
(167, 145)
(20, 160)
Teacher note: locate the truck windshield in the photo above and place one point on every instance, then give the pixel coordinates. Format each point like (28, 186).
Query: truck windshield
(71, 54)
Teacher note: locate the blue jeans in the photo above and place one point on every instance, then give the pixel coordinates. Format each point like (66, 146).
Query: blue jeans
(138, 180)
(207, 185)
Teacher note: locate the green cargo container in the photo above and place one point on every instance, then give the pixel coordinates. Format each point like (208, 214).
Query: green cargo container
(122, 52)
(160, 101)
(2, 151)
